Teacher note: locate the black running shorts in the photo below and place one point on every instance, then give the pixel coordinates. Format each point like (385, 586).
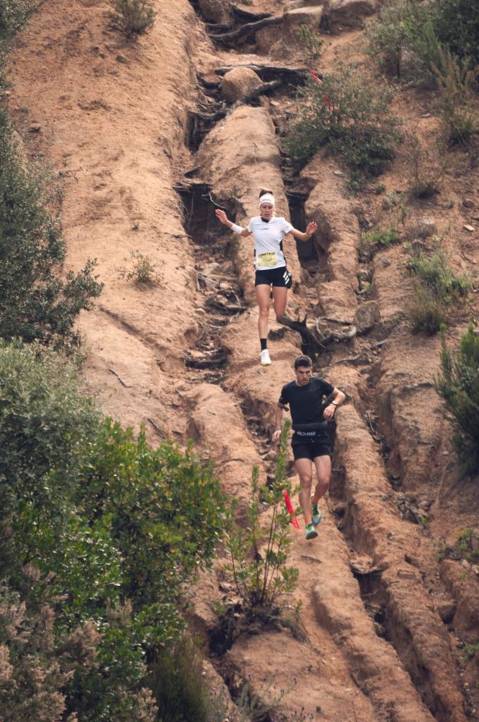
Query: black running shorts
(279, 277)
(311, 451)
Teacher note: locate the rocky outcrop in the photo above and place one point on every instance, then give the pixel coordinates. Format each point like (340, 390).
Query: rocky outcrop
(238, 83)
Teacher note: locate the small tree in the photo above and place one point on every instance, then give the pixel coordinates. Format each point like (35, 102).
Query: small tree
(258, 551)
(458, 384)
(133, 17)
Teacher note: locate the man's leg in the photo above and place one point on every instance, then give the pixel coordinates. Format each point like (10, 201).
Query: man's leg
(304, 469)
(323, 477)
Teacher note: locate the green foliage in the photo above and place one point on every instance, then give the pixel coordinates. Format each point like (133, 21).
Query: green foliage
(258, 556)
(426, 165)
(44, 424)
(438, 287)
(13, 14)
(426, 312)
(35, 304)
(458, 384)
(468, 544)
(311, 43)
(133, 17)
(350, 116)
(179, 686)
(402, 40)
(470, 650)
(435, 272)
(143, 271)
(372, 241)
(457, 27)
(111, 529)
(456, 83)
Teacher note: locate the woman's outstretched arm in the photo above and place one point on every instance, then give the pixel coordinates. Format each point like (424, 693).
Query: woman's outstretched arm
(310, 229)
(223, 218)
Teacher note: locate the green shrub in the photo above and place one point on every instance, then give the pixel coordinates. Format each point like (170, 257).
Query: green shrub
(426, 311)
(35, 304)
(349, 116)
(13, 14)
(402, 40)
(372, 241)
(437, 288)
(435, 272)
(311, 43)
(133, 17)
(143, 271)
(456, 84)
(458, 384)
(457, 27)
(258, 556)
(426, 165)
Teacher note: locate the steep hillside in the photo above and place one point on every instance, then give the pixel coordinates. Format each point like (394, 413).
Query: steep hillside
(144, 136)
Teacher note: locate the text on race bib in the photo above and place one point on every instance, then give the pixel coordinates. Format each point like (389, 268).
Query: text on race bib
(267, 260)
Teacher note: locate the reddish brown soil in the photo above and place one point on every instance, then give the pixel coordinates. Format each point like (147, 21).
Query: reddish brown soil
(385, 619)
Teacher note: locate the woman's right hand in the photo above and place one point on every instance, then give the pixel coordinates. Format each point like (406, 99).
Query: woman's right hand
(221, 216)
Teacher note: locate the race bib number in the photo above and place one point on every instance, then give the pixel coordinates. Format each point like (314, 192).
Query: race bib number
(267, 260)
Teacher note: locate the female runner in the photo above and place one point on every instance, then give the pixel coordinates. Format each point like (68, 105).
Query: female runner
(268, 231)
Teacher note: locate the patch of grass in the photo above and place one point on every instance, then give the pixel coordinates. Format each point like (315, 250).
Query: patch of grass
(372, 241)
(143, 271)
(426, 312)
(456, 84)
(426, 167)
(311, 42)
(436, 274)
(469, 651)
(132, 17)
(458, 384)
(437, 288)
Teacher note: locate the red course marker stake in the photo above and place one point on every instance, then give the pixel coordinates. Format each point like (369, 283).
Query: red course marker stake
(290, 509)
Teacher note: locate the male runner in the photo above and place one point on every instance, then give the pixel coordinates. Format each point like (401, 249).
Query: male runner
(313, 403)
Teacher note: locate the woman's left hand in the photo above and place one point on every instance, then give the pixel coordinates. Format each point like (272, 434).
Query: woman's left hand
(311, 228)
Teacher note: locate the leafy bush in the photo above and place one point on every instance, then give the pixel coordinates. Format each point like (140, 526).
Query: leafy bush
(458, 384)
(402, 40)
(35, 304)
(111, 529)
(44, 424)
(133, 17)
(349, 115)
(258, 554)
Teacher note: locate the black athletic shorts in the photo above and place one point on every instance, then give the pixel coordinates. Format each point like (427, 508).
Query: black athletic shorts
(312, 450)
(279, 277)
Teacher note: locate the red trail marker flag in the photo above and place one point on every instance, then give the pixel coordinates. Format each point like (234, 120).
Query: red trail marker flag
(290, 509)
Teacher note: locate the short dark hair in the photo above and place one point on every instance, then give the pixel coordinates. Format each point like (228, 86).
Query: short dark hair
(263, 191)
(302, 361)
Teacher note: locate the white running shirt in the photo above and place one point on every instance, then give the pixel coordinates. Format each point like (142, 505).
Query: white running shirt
(267, 241)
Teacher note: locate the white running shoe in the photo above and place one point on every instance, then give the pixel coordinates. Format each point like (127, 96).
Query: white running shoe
(264, 358)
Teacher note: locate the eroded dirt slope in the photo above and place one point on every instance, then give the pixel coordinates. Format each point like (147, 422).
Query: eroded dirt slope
(140, 135)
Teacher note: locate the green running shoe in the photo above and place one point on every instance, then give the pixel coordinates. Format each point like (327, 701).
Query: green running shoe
(316, 515)
(310, 532)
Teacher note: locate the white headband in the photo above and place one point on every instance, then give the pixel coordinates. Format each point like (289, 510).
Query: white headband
(267, 198)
